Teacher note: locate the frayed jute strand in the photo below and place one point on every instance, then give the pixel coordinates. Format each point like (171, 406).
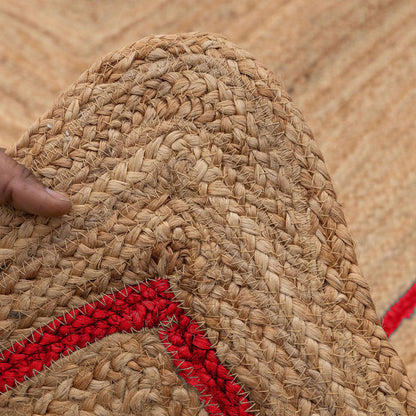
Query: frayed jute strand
(186, 159)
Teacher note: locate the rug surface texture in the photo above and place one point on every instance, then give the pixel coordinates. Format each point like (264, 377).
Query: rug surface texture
(206, 266)
(350, 67)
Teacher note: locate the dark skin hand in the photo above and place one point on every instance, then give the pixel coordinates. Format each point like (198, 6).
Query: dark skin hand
(20, 188)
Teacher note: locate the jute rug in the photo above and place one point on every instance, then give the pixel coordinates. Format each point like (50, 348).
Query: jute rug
(206, 266)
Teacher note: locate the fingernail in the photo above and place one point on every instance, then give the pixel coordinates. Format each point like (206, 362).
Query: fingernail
(57, 195)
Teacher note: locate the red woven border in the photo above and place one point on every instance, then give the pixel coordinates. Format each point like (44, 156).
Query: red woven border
(402, 309)
(133, 308)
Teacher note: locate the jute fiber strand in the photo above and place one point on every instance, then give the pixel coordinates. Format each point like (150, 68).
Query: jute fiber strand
(185, 159)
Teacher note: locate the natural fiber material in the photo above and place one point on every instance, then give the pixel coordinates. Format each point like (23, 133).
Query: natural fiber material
(131, 309)
(186, 160)
(97, 381)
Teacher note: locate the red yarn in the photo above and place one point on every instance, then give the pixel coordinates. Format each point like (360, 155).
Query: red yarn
(135, 307)
(399, 311)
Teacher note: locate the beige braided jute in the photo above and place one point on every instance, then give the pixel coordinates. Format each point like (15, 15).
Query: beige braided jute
(185, 159)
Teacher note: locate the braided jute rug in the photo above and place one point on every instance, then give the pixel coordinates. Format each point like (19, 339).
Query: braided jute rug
(205, 267)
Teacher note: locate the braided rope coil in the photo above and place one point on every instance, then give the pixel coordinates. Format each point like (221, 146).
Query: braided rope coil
(185, 158)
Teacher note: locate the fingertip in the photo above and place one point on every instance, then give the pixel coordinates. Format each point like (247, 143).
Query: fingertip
(55, 204)
(57, 207)
(57, 195)
(25, 192)
(41, 201)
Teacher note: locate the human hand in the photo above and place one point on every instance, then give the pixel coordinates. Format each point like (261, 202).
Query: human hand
(20, 188)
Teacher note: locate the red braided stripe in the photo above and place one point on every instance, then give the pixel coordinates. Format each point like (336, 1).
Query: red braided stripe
(402, 309)
(193, 352)
(133, 308)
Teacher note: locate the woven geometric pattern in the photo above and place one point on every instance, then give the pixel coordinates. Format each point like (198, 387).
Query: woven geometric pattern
(185, 159)
(123, 374)
(131, 309)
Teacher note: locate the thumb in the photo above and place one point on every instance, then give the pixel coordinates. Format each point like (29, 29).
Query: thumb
(20, 188)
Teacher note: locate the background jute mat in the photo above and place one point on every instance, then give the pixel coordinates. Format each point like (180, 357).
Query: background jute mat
(205, 222)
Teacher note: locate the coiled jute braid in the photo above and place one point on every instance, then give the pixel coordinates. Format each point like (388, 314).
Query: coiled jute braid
(205, 252)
